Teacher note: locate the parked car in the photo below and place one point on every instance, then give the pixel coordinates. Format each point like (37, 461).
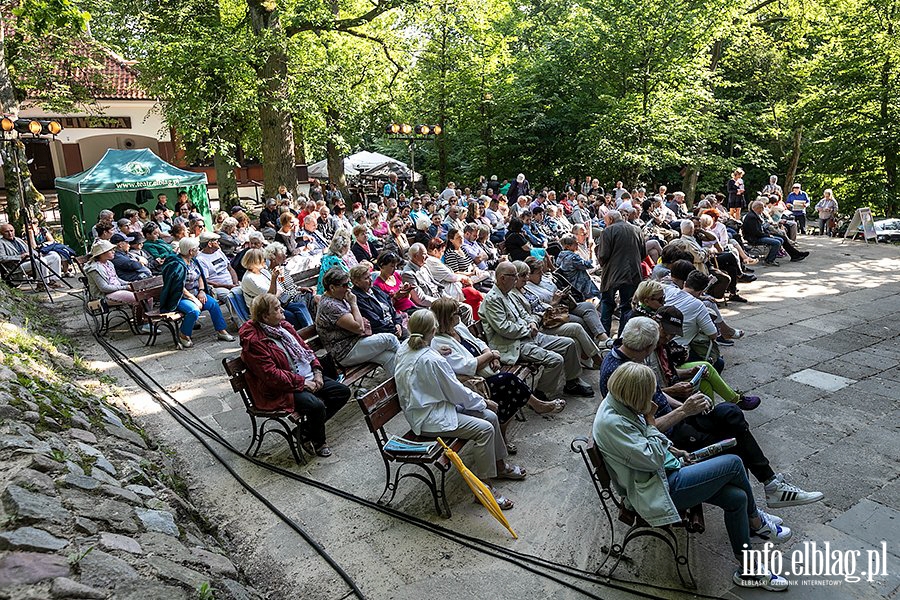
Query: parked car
(886, 230)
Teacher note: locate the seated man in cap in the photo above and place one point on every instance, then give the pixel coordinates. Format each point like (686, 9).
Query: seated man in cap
(136, 251)
(216, 266)
(128, 268)
(14, 253)
(696, 422)
(674, 372)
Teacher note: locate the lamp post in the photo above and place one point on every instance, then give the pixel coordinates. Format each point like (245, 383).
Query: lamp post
(13, 130)
(410, 133)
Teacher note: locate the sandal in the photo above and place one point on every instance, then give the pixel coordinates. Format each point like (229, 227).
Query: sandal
(502, 501)
(324, 451)
(551, 407)
(511, 448)
(514, 472)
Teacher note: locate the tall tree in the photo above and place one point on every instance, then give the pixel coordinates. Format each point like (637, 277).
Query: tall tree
(44, 34)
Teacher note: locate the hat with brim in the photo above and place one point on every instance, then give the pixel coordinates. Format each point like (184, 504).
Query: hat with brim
(136, 238)
(671, 319)
(101, 247)
(208, 236)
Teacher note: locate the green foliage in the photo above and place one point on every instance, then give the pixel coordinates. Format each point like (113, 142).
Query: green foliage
(646, 91)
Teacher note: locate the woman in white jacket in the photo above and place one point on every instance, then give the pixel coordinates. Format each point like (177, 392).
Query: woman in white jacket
(435, 404)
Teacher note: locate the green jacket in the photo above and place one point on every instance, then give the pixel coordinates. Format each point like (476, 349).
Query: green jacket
(635, 453)
(174, 274)
(159, 249)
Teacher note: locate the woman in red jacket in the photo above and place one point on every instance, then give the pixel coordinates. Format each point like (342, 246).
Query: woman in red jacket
(284, 373)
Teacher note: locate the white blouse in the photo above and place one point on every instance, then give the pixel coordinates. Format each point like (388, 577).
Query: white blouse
(429, 392)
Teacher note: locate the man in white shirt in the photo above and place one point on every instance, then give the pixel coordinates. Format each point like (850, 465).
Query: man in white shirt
(216, 266)
(619, 190)
(448, 193)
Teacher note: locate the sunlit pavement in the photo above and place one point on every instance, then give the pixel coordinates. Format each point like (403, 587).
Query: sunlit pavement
(821, 350)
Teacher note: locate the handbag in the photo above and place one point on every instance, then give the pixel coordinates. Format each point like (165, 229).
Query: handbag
(477, 385)
(555, 316)
(706, 348)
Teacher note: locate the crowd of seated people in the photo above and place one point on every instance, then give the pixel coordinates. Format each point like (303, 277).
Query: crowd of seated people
(547, 276)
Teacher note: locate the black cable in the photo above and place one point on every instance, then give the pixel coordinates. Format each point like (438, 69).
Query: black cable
(117, 356)
(465, 540)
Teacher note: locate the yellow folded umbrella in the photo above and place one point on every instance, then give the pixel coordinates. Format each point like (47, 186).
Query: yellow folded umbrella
(481, 491)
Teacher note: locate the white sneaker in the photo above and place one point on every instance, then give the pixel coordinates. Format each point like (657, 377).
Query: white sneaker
(780, 493)
(770, 532)
(766, 581)
(770, 518)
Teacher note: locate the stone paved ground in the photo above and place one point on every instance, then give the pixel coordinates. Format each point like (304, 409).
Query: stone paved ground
(821, 349)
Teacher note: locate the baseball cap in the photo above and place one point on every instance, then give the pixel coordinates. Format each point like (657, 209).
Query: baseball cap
(671, 319)
(236, 209)
(208, 236)
(118, 237)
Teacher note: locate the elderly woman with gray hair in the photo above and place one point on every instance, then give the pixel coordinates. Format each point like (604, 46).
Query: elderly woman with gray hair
(335, 256)
(185, 290)
(228, 241)
(659, 480)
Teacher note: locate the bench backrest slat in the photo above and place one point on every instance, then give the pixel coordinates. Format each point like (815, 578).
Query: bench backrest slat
(380, 405)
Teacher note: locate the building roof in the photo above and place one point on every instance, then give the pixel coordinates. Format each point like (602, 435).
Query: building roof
(110, 78)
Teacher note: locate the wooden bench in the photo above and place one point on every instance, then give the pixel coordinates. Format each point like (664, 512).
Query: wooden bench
(307, 278)
(286, 426)
(379, 407)
(346, 375)
(147, 292)
(100, 310)
(691, 519)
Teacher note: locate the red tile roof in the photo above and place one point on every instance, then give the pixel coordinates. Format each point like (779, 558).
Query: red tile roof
(110, 78)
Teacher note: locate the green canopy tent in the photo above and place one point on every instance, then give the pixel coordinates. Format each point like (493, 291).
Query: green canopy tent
(123, 179)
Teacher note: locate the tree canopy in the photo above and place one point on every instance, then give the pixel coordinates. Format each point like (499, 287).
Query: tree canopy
(647, 91)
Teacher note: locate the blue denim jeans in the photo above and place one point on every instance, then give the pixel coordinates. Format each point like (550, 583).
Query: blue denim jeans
(774, 245)
(191, 314)
(297, 314)
(608, 304)
(720, 481)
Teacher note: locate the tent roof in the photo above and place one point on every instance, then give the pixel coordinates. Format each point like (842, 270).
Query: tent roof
(123, 170)
(319, 170)
(360, 163)
(385, 169)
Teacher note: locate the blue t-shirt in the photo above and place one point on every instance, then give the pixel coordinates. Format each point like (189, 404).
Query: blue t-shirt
(799, 201)
(613, 361)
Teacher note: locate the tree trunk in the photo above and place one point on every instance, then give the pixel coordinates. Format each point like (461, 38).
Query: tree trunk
(892, 185)
(226, 182)
(689, 185)
(299, 145)
(442, 106)
(334, 155)
(276, 122)
(795, 158)
(13, 154)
